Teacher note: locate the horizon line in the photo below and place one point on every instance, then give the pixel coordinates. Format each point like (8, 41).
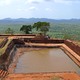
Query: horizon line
(41, 18)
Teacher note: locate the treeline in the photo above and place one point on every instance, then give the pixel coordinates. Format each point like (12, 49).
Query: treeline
(40, 27)
(56, 30)
(64, 31)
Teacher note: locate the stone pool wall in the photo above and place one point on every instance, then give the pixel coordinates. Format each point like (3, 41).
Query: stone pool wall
(44, 41)
(8, 55)
(69, 43)
(73, 46)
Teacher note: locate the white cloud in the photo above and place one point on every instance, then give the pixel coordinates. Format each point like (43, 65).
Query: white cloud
(5, 2)
(32, 8)
(71, 0)
(48, 9)
(61, 1)
(33, 1)
(19, 9)
(47, 0)
(66, 1)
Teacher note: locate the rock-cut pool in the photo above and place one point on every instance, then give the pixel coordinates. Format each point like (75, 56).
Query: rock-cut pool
(45, 60)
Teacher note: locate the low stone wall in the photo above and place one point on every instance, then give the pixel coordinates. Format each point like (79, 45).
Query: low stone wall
(44, 41)
(73, 46)
(18, 41)
(17, 35)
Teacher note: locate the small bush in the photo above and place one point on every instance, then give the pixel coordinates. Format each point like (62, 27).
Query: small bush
(56, 78)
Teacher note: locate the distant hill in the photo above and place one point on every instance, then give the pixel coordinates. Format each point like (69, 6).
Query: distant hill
(32, 20)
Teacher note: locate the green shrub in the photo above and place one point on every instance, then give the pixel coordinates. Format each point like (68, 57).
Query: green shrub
(56, 78)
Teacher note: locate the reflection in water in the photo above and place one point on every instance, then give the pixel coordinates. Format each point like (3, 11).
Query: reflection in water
(45, 60)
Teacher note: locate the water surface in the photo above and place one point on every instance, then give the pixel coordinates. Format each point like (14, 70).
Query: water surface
(45, 60)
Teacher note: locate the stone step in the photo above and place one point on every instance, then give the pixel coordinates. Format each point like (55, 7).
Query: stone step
(3, 73)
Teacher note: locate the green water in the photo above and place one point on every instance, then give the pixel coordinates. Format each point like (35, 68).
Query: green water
(45, 60)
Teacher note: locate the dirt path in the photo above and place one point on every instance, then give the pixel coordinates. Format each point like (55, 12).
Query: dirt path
(43, 76)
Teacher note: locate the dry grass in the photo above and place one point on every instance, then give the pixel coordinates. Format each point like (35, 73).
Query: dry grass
(1, 39)
(77, 42)
(2, 50)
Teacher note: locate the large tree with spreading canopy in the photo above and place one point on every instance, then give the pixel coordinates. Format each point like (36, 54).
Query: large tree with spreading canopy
(42, 26)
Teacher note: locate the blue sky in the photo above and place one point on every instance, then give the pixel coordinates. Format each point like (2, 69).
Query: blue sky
(54, 9)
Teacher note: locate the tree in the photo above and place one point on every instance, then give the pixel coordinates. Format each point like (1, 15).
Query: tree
(9, 31)
(26, 29)
(37, 25)
(42, 26)
(44, 29)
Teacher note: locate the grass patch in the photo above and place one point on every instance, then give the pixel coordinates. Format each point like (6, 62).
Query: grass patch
(2, 50)
(56, 78)
(77, 42)
(1, 39)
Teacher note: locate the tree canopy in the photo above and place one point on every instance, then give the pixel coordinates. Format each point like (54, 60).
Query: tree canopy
(26, 29)
(42, 26)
